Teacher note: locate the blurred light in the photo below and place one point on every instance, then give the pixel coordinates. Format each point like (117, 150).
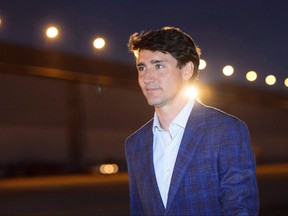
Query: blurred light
(228, 70)
(1, 22)
(202, 64)
(136, 53)
(99, 43)
(52, 32)
(191, 92)
(286, 82)
(98, 89)
(270, 80)
(109, 168)
(251, 76)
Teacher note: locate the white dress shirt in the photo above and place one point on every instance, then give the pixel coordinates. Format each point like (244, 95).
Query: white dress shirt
(165, 148)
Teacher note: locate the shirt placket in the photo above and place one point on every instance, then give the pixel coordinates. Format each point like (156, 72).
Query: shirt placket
(167, 165)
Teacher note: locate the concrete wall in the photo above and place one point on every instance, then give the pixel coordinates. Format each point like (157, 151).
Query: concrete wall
(35, 121)
(35, 118)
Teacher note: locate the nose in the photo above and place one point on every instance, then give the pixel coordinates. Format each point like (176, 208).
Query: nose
(148, 76)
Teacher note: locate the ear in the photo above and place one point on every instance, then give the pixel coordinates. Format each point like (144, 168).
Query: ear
(188, 70)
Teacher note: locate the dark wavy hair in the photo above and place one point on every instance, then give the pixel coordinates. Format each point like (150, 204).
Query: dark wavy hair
(168, 40)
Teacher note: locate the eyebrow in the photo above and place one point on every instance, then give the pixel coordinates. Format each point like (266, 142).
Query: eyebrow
(156, 61)
(140, 64)
(152, 62)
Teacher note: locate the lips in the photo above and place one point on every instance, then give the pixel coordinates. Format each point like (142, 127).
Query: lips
(152, 90)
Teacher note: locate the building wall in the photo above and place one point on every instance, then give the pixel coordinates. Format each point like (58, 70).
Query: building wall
(35, 121)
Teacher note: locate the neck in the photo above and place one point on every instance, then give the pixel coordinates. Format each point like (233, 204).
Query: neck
(168, 113)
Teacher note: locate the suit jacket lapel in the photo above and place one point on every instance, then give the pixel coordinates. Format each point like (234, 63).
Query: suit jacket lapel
(149, 171)
(191, 137)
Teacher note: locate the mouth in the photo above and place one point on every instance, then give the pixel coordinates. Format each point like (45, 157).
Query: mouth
(151, 90)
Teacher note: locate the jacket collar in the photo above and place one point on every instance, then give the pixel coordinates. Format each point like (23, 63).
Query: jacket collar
(192, 135)
(191, 138)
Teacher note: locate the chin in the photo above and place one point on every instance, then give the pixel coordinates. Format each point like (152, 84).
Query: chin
(154, 103)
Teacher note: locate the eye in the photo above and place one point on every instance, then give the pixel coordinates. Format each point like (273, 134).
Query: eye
(141, 68)
(159, 66)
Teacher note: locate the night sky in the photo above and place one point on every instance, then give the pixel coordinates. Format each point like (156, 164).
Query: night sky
(249, 35)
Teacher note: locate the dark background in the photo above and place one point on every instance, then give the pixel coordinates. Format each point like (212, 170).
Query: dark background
(67, 108)
(250, 35)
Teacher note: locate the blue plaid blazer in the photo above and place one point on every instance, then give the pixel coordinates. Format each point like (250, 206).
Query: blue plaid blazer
(214, 173)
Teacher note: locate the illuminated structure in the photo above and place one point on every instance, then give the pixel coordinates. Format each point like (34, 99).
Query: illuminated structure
(59, 93)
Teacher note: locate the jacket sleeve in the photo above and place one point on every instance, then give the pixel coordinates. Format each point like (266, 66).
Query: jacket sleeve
(238, 185)
(135, 203)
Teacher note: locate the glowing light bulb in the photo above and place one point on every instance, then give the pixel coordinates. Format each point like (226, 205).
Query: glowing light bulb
(228, 70)
(251, 76)
(270, 80)
(202, 64)
(109, 168)
(99, 43)
(52, 32)
(286, 82)
(191, 92)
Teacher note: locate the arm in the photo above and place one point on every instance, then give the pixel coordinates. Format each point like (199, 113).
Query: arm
(135, 203)
(238, 185)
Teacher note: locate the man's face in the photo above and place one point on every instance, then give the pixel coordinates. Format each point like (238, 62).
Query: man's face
(161, 81)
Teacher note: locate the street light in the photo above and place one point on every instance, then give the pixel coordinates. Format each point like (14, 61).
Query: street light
(191, 92)
(286, 82)
(251, 76)
(228, 70)
(270, 80)
(99, 43)
(202, 64)
(52, 32)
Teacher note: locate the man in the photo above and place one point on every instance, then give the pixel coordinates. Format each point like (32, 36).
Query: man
(190, 159)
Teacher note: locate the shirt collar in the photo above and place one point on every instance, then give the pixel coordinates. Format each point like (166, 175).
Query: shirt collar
(180, 120)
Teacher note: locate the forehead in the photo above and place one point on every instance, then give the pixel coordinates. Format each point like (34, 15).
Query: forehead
(148, 56)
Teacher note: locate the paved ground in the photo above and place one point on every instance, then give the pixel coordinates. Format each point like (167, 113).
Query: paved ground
(273, 189)
(108, 195)
(65, 195)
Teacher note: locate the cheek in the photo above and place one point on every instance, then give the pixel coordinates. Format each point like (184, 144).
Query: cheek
(141, 83)
(140, 80)
(173, 83)
(168, 80)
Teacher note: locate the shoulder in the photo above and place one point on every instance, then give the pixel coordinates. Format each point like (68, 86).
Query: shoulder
(226, 132)
(145, 130)
(211, 118)
(214, 115)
